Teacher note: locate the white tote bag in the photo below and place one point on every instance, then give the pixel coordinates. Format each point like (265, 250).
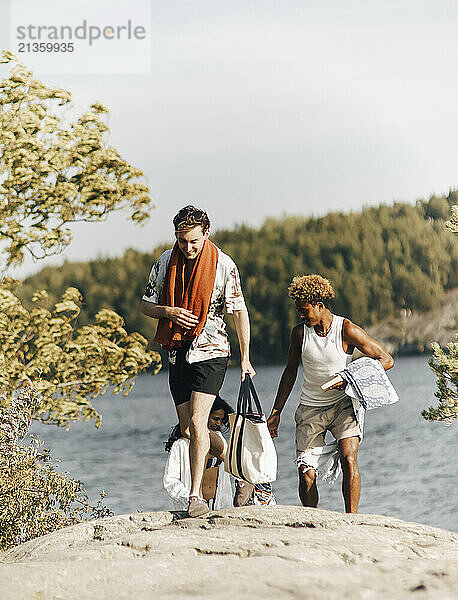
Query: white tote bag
(251, 454)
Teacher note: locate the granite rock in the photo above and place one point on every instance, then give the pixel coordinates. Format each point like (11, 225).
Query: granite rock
(279, 552)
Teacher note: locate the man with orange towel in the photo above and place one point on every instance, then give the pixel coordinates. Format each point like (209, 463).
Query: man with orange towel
(188, 288)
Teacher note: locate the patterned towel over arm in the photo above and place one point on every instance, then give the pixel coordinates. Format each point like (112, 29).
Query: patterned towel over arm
(368, 387)
(367, 381)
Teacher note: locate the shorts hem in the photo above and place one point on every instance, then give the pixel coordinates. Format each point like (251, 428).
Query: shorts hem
(210, 392)
(205, 377)
(348, 434)
(299, 452)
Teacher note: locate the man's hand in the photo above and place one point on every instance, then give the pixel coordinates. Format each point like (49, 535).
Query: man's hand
(273, 423)
(247, 369)
(339, 386)
(182, 317)
(178, 315)
(336, 383)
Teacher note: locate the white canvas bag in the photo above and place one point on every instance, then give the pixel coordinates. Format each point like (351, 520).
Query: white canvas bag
(251, 454)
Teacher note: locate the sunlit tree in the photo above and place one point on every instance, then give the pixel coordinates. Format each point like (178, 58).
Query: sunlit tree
(54, 171)
(444, 363)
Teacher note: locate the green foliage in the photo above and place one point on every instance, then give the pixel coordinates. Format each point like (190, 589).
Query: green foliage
(444, 363)
(437, 208)
(380, 260)
(35, 498)
(54, 172)
(69, 366)
(452, 224)
(116, 284)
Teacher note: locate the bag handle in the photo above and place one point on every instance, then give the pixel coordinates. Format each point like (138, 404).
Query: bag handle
(246, 393)
(254, 394)
(241, 400)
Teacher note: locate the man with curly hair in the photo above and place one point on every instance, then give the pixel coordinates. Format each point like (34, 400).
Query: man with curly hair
(324, 343)
(188, 288)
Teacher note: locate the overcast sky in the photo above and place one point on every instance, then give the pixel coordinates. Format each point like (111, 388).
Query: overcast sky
(262, 108)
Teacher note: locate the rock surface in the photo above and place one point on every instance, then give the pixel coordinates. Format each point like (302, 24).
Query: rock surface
(411, 332)
(277, 552)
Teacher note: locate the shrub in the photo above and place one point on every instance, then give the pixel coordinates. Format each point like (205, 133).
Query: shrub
(35, 498)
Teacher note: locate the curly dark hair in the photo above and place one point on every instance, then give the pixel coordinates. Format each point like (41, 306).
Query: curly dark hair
(218, 404)
(189, 217)
(311, 289)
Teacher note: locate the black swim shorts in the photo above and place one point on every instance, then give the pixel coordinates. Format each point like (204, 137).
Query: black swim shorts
(206, 376)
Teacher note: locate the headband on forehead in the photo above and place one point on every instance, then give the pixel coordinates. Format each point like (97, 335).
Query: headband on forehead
(189, 217)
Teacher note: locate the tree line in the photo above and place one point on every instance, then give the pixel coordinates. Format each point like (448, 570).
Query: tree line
(380, 260)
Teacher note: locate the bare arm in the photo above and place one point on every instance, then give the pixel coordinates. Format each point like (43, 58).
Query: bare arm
(287, 379)
(242, 327)
(178, 315)
(353, 335)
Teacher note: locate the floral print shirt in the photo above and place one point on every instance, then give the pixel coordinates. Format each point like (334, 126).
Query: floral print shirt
(213, 341)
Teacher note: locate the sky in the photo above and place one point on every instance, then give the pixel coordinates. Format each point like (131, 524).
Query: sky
(261, 109)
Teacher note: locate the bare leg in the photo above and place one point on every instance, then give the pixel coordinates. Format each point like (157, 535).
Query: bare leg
(351, 484)
(308, 492)
(184, 417)
(200, 440)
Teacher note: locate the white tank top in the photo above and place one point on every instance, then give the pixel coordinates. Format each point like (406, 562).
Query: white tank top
(322, 358)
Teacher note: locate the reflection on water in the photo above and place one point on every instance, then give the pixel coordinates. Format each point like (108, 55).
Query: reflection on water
(408, 465)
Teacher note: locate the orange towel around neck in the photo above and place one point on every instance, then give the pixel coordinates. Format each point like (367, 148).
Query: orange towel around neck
(195, 297)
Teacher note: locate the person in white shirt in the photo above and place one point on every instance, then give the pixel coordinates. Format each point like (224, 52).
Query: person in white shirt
(216, 484)
(323, 343)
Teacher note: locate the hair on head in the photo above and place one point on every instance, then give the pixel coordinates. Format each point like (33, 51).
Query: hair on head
(220, 404)
(189, 217)
(311, 289)
(175, 435)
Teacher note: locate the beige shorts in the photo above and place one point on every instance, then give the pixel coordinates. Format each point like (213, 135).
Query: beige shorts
(313, 422)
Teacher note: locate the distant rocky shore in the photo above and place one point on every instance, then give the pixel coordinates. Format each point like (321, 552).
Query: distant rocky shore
(412, 332)
(279, 552)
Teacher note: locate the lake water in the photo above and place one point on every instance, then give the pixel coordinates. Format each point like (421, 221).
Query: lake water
(408, 465)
